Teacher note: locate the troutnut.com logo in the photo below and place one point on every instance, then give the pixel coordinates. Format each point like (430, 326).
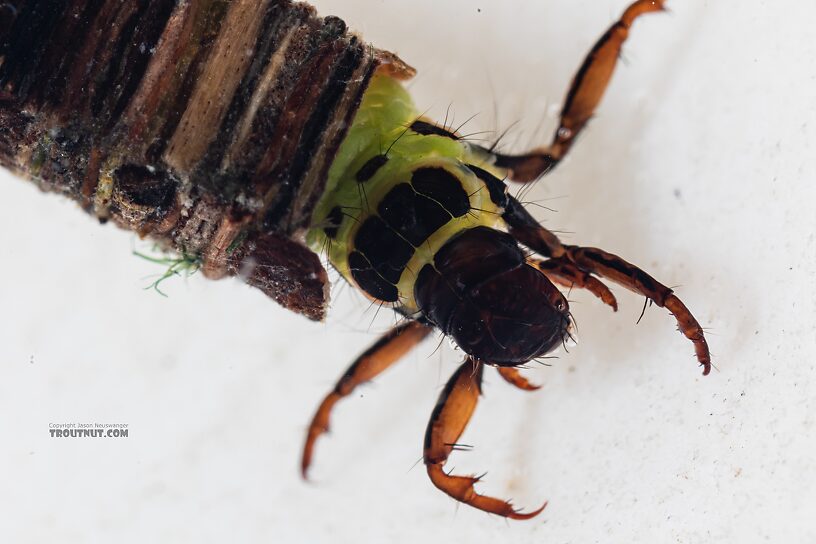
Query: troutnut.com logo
(88, 430)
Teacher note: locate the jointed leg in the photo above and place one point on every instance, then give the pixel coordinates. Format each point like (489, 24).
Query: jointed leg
(568, 275)
(450, 416)
(611, 266)
(596, 261)
(388, 350)
(512, 376)
(585, 93)
(529, 232)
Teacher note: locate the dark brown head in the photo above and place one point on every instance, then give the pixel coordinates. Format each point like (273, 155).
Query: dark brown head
(499, 309)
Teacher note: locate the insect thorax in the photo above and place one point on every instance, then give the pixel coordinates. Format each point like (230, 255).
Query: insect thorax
(398, 190)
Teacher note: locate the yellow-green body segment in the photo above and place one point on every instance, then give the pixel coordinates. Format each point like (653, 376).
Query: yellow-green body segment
(383, 143)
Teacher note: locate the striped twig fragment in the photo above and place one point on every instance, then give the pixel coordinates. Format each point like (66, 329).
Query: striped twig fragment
(206, 125)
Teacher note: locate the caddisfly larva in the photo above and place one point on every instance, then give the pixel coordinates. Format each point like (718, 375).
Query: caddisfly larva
(248, 136)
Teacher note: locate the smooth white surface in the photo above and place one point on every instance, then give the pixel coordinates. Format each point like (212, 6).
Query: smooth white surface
(699, 167)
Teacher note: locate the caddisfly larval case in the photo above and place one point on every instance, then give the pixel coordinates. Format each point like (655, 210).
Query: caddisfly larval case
(206, 126)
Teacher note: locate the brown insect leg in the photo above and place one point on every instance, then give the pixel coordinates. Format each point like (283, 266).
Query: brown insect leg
(633, 278)
(595, 261)
(529, 232)
(450, 416)
(568, 275)
(385, 352)
(585, 93)
(512, 376)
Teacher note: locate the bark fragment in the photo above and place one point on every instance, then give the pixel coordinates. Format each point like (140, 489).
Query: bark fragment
(206, 125)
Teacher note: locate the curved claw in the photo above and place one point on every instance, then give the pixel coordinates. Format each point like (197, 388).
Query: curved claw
(600, 290)
(691, 329)
(318, 426)
(461, 488)
(512, 376)
(639, 8)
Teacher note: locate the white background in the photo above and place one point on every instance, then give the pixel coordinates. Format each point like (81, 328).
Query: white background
(699, 166)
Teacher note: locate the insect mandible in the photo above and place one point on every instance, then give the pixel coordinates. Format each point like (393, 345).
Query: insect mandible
(250, 135)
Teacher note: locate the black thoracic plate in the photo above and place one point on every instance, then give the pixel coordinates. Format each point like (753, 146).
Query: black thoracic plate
(429, 129)
(369, 280)
(415, 217)
(384, 249)
(367, 171)
(333, 221)
(440, 185)
(495, 186)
